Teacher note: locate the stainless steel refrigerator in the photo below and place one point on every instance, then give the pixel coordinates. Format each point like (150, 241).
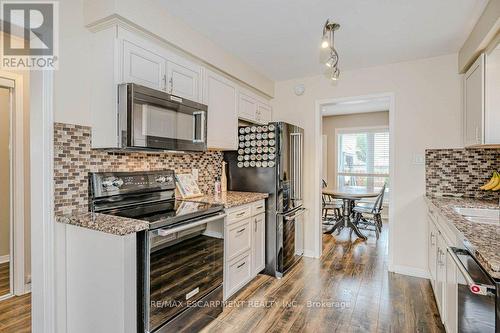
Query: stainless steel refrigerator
(270, 159)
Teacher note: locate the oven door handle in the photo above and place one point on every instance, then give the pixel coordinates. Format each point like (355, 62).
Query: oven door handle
(474, 287)
(169, 231)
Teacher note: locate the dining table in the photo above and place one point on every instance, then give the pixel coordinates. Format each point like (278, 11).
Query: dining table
(349, 196)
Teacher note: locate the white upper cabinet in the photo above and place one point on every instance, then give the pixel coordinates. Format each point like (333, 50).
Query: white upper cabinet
(254, 109)
(221, 96)
(264, 113)
(474, 103)
(143, 67)
(492, 107)
(247, 107)
(184, 80)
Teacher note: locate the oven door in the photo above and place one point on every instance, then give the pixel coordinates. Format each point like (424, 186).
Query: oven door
(157, 120)
(476, 294)
(184, 265)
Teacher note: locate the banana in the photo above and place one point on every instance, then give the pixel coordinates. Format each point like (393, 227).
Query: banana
(496, 188)
(495, 179)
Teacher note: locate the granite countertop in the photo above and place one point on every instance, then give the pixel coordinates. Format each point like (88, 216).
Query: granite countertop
(485, 238)
(231, 198)
(110, 224)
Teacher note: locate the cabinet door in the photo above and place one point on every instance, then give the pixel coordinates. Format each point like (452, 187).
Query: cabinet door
(474, 103)
(222, 124)
(451, 294)
(247, 107)
(432, 253)
(263, 113)
(258, 246)
(143, 67)
(184, 81)
(492, 89)
(440, 276)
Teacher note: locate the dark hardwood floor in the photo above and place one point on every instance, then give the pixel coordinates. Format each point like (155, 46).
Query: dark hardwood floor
(4, 279)
(348, 290)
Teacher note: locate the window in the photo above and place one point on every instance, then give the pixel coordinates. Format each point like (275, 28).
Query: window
(363, 158)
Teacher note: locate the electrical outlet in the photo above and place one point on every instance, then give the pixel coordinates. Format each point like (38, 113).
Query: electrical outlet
(195, 174)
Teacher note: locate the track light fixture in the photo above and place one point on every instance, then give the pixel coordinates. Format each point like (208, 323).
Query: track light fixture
(328, 42)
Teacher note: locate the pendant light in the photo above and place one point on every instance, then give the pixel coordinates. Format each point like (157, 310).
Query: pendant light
(328, 43)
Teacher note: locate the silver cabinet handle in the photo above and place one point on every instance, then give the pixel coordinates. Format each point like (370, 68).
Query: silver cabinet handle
(241, 265)
(240, 231)
(432, 239)
(474, 287)
(260, 207)
(240, 214)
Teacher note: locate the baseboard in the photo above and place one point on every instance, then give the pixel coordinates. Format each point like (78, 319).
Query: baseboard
(4, 259)
(310, 254)
(410, 271)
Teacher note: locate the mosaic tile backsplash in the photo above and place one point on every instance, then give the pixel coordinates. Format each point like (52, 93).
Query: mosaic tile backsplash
(461, 171)
(74, 159)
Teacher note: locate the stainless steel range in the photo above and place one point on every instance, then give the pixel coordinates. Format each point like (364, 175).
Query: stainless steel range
(180, 257)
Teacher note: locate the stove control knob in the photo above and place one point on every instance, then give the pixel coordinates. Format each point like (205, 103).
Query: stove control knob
(117, 182)
(161, 179)
(170, 179)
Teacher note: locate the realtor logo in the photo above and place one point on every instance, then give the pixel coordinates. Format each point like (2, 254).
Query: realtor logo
(30, 35)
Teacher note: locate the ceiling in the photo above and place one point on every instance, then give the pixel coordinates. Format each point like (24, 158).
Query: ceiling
(281, 38)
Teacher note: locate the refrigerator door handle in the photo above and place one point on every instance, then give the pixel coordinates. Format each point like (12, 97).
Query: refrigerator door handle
(296, 139)
(299, 213)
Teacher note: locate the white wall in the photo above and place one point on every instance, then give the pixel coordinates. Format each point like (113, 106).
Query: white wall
(427, 114)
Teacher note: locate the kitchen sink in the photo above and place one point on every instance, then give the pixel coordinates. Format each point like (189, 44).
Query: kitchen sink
(480, 215)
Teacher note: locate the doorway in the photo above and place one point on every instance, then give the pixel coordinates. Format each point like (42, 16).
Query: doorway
(365, 128)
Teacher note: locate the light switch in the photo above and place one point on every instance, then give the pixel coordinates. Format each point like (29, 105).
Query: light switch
(418, 159)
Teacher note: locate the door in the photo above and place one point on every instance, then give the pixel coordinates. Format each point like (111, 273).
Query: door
(451, 310)
(440, 275)
(184, 81)
(6, 266)
(286, 234)
(474, 103)
(222, 124)
(259, 239)
(263, 113)
(143, 67)
(247, 107)
(432, 253)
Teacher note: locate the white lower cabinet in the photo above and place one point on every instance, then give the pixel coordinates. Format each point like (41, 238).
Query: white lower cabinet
(259, 243)
(442, 269)
(244, 255)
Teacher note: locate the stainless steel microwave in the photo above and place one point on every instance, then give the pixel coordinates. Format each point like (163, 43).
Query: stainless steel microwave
(154, 120)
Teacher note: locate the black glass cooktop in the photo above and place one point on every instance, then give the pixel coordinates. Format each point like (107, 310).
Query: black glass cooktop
(168, 213)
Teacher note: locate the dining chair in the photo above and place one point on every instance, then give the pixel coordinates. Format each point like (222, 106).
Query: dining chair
(367, 215)
(331, 209)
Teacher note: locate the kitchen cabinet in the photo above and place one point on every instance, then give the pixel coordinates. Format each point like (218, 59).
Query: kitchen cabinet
(253, 109)
(482, 101)
(474, 103)
(451, 293)
(442, 269)
(143, 67)
(121, 55)
(221, 96)
(184, 80)
(258, 246)
(244, 245)
(432, 251)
